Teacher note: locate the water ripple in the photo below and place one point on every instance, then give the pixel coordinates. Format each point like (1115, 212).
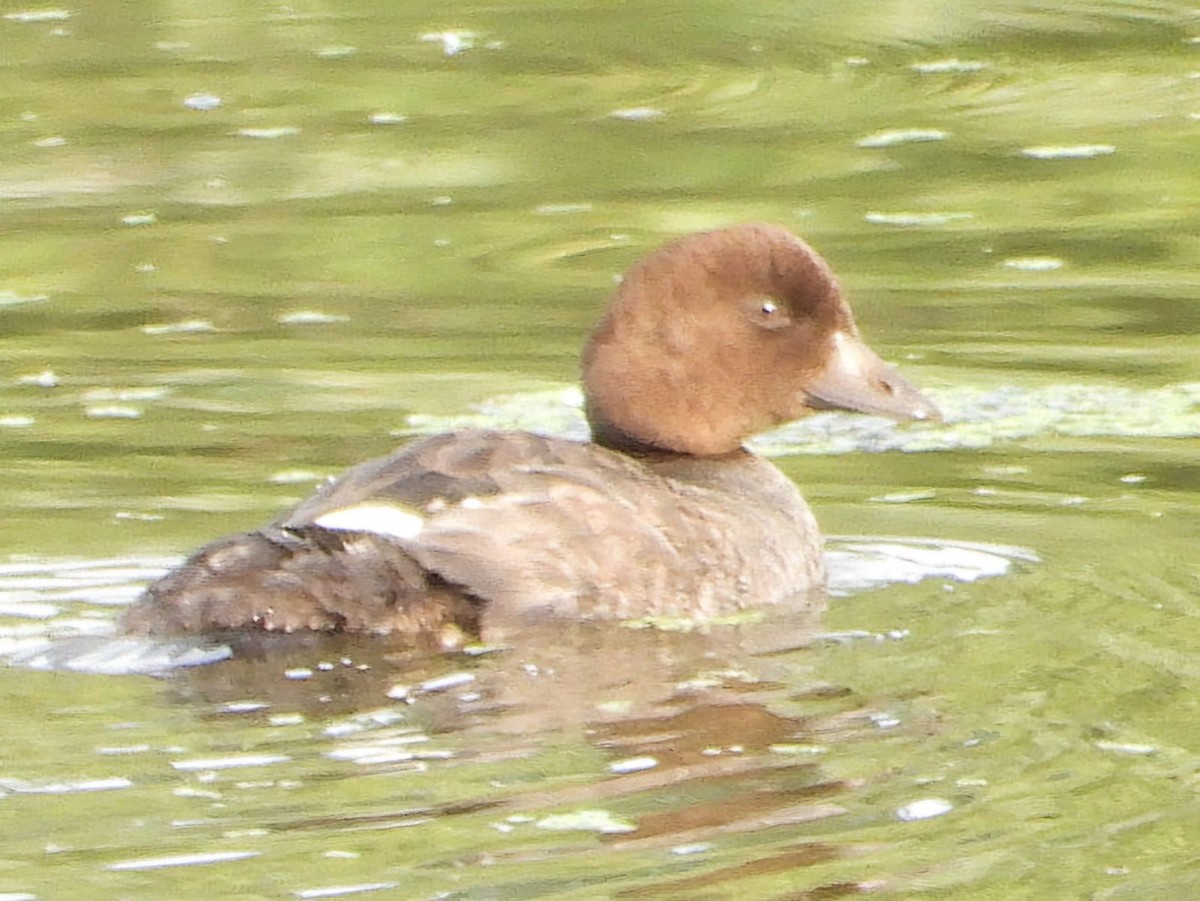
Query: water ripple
(181, 860)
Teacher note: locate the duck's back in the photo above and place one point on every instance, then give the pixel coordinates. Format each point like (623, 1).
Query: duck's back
(425, 539)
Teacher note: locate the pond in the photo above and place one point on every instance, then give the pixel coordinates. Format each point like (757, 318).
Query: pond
(246, 247)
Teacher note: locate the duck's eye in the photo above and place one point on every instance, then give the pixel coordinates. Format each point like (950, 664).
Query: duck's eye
(770, 314)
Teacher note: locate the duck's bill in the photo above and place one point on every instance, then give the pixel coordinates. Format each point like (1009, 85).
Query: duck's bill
(856, 379)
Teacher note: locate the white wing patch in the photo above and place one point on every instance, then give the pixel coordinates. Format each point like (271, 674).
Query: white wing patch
(390, 520)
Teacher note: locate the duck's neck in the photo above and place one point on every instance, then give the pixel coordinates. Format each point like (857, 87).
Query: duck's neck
(607, 435)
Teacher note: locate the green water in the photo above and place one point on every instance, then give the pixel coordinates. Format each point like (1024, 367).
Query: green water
(444, 194)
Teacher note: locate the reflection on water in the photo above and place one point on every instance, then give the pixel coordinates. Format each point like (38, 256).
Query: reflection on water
(858, 564)
(687, 751)
(702, 735)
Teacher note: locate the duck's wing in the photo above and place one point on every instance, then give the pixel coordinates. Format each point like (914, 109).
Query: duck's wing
(515, 519)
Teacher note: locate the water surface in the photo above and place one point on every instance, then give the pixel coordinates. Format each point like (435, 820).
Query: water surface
(244, 248)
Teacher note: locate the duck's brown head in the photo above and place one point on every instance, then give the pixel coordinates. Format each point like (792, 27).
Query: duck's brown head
(720, 335)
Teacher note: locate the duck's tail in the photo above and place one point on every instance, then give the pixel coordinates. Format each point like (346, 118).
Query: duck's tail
(308, 578)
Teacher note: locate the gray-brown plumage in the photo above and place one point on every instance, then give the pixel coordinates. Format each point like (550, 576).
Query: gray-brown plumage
(708, 340)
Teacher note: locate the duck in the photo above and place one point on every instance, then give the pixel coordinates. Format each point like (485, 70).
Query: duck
(707, 341)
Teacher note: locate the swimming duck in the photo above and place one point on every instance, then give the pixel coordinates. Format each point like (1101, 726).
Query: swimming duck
(710, 339)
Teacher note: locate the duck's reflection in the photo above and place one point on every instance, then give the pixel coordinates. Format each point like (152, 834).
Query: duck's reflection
(702, 735)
